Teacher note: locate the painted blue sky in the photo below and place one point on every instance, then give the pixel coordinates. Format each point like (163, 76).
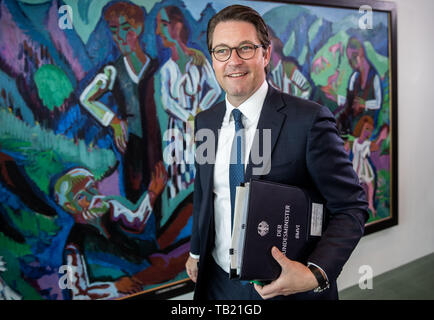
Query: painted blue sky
(196, 6)
(332, 15)
(336, 15)
(84, 26)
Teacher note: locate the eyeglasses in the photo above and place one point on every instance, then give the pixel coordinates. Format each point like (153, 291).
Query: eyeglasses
(245, 51)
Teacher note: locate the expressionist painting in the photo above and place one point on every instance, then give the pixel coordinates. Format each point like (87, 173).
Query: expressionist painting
(97, 102)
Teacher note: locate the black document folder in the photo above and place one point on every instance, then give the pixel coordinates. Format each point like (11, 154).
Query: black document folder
(268, 214)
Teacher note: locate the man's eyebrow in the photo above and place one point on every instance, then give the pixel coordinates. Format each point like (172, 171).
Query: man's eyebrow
(246, 41)
(125, 23)
(221, 44)
(239, 44)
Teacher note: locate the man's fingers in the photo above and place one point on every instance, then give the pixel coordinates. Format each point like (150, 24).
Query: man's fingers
(137, 281)
(120, 144)
(124, 143)
(275, 288)
(268, 291)
(123, 136)
(124, 130)
(279, 256)
(192, 274)
(192, 268)
(101, 80)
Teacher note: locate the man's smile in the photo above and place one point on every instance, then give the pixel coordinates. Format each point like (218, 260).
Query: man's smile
(237, 75)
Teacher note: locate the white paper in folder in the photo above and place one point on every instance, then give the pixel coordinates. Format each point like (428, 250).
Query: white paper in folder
(239, 226)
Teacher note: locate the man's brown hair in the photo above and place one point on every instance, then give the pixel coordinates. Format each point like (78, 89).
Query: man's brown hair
(239, 13)
(175, 15)
(133, 13)
(359, 126)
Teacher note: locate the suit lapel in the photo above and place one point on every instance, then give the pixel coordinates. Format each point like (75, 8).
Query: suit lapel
(272, 120)
(213, 122)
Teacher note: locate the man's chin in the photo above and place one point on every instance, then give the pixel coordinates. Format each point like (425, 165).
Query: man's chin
(238, 96)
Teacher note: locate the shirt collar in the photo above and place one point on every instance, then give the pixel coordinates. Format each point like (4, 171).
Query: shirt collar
(133, 76)
(251, 108)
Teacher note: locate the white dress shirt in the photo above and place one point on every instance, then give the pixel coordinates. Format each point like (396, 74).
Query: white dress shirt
(251, 110)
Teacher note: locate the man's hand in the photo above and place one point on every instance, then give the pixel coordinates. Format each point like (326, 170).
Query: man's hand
(359, 105)
(128, 285)
(295, 277)
(191, 266)
(120, 129)
(102, 83)
(197, 55)
(158, 179)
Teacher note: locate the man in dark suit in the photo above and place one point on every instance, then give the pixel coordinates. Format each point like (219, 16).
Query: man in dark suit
(305, 150)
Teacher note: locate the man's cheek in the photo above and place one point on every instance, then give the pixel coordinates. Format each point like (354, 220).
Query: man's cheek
(131, 40)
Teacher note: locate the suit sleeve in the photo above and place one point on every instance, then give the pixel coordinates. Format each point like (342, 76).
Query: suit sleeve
(333, 175)
(197, 200)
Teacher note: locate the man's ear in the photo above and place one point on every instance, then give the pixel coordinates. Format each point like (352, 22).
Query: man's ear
(267, 55)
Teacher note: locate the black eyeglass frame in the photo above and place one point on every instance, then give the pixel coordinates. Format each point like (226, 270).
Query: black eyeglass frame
(255, 46)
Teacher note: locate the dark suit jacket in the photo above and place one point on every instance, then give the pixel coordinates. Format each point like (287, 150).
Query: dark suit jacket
(306, 151)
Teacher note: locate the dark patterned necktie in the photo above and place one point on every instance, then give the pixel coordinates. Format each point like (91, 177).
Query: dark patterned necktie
(236, 165)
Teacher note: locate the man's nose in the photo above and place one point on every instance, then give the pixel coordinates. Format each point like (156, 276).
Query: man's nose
(118, 36)
(235, 58)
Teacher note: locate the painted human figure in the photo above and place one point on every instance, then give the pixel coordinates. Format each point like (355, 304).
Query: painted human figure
(362, 148)
(112, 247)
(188, 85)
(6, 292)
(285, 74)
(364, 94)
(129, 79)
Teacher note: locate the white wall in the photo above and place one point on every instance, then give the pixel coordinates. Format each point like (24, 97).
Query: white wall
(413, 237)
